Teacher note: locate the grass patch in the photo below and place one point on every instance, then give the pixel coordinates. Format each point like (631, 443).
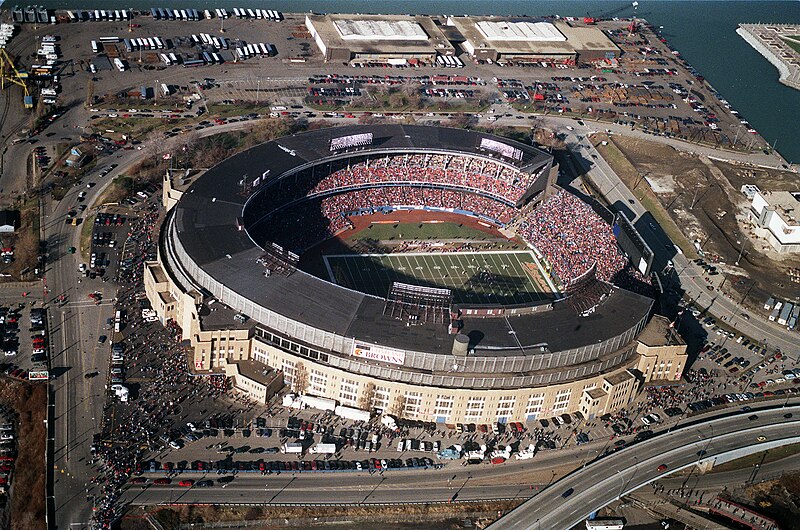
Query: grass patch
(119, 188)
(793, 44)
(86, 236)
(764, 457)
(641, 190)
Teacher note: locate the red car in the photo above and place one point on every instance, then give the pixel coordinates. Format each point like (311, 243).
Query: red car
(498, 460)
(138, 480)
(162, 481)
(662, 468)
(186, 483)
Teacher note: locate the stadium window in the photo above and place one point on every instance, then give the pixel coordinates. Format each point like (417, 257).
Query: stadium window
(294, 347)
(323, 357)
(505, 408)
(303, 351)
(535, 403)
(474, 408)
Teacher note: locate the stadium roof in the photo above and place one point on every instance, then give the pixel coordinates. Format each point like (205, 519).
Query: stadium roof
(206, 220)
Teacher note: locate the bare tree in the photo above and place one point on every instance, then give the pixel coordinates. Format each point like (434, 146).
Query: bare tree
(398, 407)
(367, 400)
(300, 379)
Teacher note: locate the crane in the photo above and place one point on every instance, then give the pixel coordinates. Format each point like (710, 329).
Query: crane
(10, 74)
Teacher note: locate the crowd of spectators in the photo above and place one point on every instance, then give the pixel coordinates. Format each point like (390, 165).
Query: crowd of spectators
(460, 172)
(303, 224)
(562, 227)
(573, 237)
(457, 171)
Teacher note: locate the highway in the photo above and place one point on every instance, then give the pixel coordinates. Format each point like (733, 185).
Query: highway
(599, 483)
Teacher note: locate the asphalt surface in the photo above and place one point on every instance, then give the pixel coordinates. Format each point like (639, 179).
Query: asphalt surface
(572, 499)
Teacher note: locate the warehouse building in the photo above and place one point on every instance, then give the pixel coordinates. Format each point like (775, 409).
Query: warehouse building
(521, 39)
(774, 215)
(379, 38)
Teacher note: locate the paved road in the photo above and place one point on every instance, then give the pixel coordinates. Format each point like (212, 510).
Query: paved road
(598, 484)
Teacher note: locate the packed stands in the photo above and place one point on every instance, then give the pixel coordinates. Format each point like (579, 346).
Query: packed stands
(315, 204)
(303, 224)
(573, 237)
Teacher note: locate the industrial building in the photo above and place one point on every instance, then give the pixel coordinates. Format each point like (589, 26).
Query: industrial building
(342, 38)
(503, 38)
(775, 215)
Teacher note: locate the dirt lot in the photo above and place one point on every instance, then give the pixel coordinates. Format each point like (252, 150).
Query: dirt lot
(433, 516)
(703, 198)
(25, 241)
(777, 499)
(26, 496)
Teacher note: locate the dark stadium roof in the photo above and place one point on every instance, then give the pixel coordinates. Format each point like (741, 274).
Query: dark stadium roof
(206, 221)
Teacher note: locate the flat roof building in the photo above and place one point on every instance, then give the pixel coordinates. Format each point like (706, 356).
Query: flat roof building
(775, 215)
(504, 38)
(380, 38)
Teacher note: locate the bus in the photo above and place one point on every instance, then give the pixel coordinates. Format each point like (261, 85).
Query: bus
(109, 40)
(128, 45)
(193, 63)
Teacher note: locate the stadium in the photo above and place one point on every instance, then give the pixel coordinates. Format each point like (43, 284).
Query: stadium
(433, 273)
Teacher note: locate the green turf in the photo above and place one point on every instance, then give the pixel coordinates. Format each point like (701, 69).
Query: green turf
(464, 273)
(793, 42)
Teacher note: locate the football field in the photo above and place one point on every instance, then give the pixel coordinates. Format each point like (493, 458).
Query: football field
(507, 277)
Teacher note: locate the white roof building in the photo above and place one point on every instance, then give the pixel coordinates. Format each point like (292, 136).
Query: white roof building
(776, 217)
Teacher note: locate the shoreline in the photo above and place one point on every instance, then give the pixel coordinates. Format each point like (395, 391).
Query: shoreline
(789, 75)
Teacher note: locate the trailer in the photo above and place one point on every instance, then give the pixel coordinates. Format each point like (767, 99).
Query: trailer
(173, 58)
(126, 15)
(151, 43)
(273, 51)
(263, 49)
(119, 64)
(292, 447)
(196, 39)
(154, 13)
(323, 449)
(318, 403)
(170, 14)
(352, 413)
(207, 58)
(128, 45)
(164, 58)
(769, 304)
(217, 58)
(776, 311)
(250, 13)
(240, 54)
(165, 90)
(783, 319)
(95, 47)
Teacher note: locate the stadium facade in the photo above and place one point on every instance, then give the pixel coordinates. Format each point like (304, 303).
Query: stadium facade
(226, 275)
